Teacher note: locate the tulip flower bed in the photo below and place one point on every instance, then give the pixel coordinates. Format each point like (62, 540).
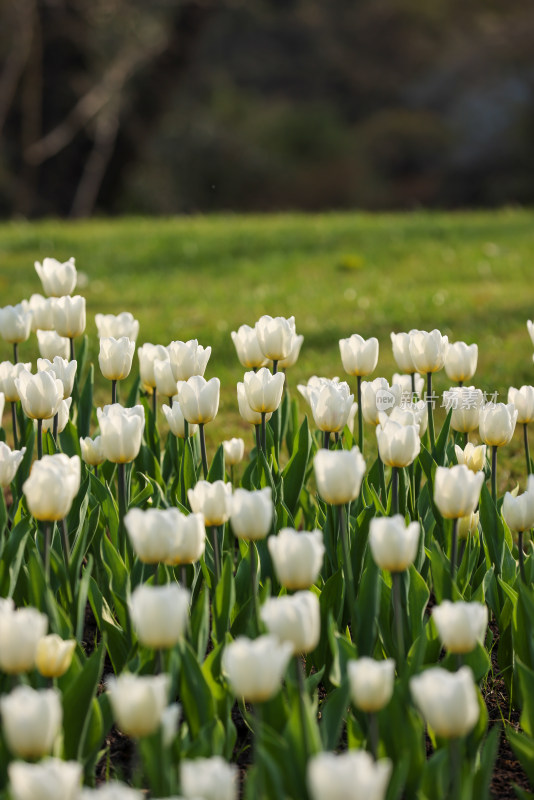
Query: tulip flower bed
(293, 619)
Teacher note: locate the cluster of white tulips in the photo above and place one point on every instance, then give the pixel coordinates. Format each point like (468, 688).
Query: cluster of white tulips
(210, 592)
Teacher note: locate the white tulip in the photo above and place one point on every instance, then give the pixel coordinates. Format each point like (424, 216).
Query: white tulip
(20, 631)
(148, 354)
(468, 525)
(497, 423)
(63, 414)
(393, 543)
(212, 500)
(138, 702)
(447, 700)
(234, 450)
(255, 668)
(339, 474)
(428, 350)
(353, 774)
(248, 348)
(117, 326)
(314, 384)
(400, 343)
(405, 382)
(160, 614)
(115, 357)
(40, 394)
(297, 557)
(250, 416)
(209, 778)
(58, 278)
(474, 457)
(10, 461)
(398, 445)
(15, 322)
(457, 490)
(358, 355)
(113, 790)
(50, 779)
(53, 655)
(92, 452)
(199, 399)
(175, 419)
(188, 359)
(294, 618)
(121, 432)
(291, 359)
(523, 400)
(460, 625)
(8, 376)
(377, 397)
(166, 383)
(331, 405)
(518, 512)
(62, 369)
(69, 315)
(264, 390)
(31, 720)
(51, 344)
(42, 312)
(461, 361)
(52, 486)
(371, 683)
(465, 402)
(275, 336)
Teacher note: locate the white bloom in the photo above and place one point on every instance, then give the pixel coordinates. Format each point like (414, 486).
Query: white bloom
(58, 278)
(297, 557)
(447, 700)
(353, 774)
(371, 683)
(460, 625)
(123, 324)
(294, 618)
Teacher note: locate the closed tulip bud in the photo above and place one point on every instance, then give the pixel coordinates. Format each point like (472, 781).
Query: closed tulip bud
(371, 683)
(53, 656)
(40, 394)
(63, 370)
(457, 490)
(116, 326)
(188, 542)
(63, 413)
(42, 313)
(400, 343)
(8, 376)
(460, 625)
(428, 350)
(31, 720)
(115, 357)
(468, 525)
(405, 383)
(138, 702)
(297, 557)
(20, 631)
(248, 348)
(175, 419)
(359, 355)
(10, 461)
(331, 405)
(166, 383)
(188, 359)
(295, 619)
(398, 445)
(50, 779)
(275, 336)
(58, 278)
(212, 500)
(199, 399)
(69, 315)
(51, 344)
(411, 414)
(234, 450)
(160, 614)
(165, 535)
(291, 359)
(379, 397)
(339, 474)
(474, 457)
(209, 778)
(496, 423)
(250, 416)
(447, 700)
(393, 543)
(121, 432)
(264, 390)
(518, 512)
(461, 361)
(52, 486)
(112, 791)
(92, 452)
(523, 400)
(255, 668)
(354, 774)
(465, 402)
(148, 354)
(15, 322)
(314, 384)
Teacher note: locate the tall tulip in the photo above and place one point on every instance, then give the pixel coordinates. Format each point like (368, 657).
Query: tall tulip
(214, 502)
(15, 325)
(461, 361)
(51, 344)
(116, 326)
(523, 400)
(518, 513)
(496, 425)
(31, 720)
(115, 360)
(8, 375)
(247, 347)
(42, 312)
(331, 405)
(275, 337)
(138, 702)
(359, 357)
(428, 352)
(188, 359)
(264, 394)
(255, 668)
(47, 779)
(460, 625)
(209, 778)
(69, 318)
(58, 278)
(41, 396)
(297, 557)
(354, 774)
(199, 401)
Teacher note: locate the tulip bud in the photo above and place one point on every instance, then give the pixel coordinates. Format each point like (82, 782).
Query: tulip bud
(209, 778)
(40, 394)
(165, 535)
(69, 315)
(447, 700)
(42, 312)
(248, 348)
(199, 399)
(63, 413)
(405, 383)
(116, 327)
(15, 322)
(393, 544)
(165, 381)
(54, 655)
(10, 461)
(31, 720)
(212, 500)
(314, 384)
(352, 774)
(188, 542)
(468, 525)
(188, 359)
(58, 278)
(175, 419)
(460, 625)
(457, 490)
(121, 432)
(264, 390)
(20, 631)
(473, 457)
(496, 423)
(377, 397)
(331, 405)
(51, 344)
(52, 486)
(291, 359)
(255, 668)
(398, 445)
(518, 512)
(275, 336)
(297, 557)
(159, 614)
(115, 357)
(63, 370)
(250, 416)
(295, 619)
(410, 414)
(148, 354)
(359, 356)
(234, 450)
(371, 683)
(138, 702)
(428, 350)
(49, 779)
(523, 400)
(8, 376)
(92, 452)
(466, 402)
(461, 361)
(400, 342)
(339, 474)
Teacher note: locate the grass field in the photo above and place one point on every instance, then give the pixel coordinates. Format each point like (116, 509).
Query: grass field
(469, 274)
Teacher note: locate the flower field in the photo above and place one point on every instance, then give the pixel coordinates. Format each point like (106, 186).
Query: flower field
(320, 607)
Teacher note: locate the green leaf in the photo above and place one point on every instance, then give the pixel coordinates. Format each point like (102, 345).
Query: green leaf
(216, 470)
(484, 772)
(70, 442)
(367, 604)
(333, 714)
(526, 683)
(295, 470)
(492, 529)
(85, 405)
(77, 700)
(224, 600)
(195, 694)
(523, 747)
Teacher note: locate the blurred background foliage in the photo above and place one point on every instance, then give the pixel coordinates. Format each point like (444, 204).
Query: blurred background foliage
(172, 106)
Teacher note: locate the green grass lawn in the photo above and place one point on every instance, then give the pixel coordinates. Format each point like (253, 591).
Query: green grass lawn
(469, 274)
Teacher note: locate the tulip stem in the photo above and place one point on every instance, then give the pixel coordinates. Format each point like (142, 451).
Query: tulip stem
(121, 478)
(263, 434)
(430, 411)
(14, 424)
(521, 556)
(412, 376)
(257, 429)
(216, 556)
(411, 475)
(360, 415)
(39, 438)
(466, 439)
(382, 476)
(302, 707)
(46, 556)
(275, 367)
(55, 426)
(154, 405)
(397, 610)
(395, 490)
(113, 391)
(15, 352)
(170, 401)
(374, 735)
(527, 451)
(183, 575)
(494, 473)
(347, 567)
(72, 351)
(203, 451)
(455, 765)
(254, 585)
(326, 440)
(454, 551)
(66, 545)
